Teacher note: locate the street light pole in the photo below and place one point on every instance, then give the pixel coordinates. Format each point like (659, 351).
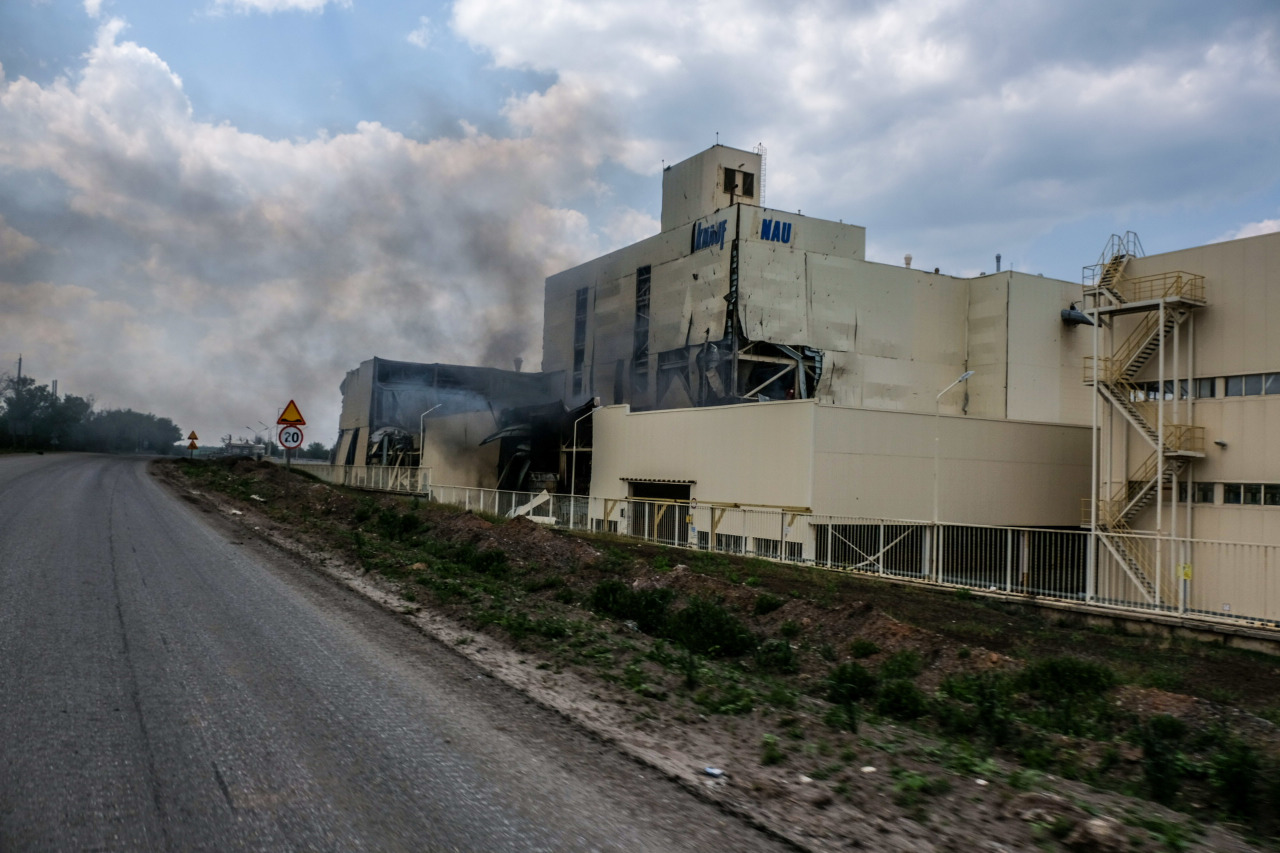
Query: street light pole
(937, 409)
(573, 472)
(422, 440)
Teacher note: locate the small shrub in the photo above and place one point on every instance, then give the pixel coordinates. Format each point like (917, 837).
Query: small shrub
(842, 718)
(1235, 778)
(827, 652)
(646, 607)
(364, 510)
(902, 700)
(730, 699)
(490, 562)
(849, 683)
(789, 629)
(771, 752)
(707, 628)
(778, 656)
(565, 595)
(780, 697)
(766, 604)
(910, 787)
(903, 664)
(863, 648)
(1159, 738)
(1066, 679)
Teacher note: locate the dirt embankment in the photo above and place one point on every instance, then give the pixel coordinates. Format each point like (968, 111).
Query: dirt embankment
(949, 742)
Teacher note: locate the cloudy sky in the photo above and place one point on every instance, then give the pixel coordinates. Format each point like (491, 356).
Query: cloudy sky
(208, 207)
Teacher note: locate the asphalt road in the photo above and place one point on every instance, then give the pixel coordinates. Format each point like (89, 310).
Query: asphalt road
(166, 687)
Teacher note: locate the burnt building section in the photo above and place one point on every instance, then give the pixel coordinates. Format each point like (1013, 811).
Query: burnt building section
(478, 425)
(733, 302)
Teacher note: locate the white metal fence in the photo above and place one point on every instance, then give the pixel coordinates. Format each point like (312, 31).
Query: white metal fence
(1190, 577)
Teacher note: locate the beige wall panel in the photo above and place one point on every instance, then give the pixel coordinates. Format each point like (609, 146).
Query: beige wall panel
(757, 453)
(1259, 524)
(833, 311)
(988, 346)
(453, 453)
(1046, 356)
(990, 472)
(1238, 580)
(773, 298)
(1239, 330)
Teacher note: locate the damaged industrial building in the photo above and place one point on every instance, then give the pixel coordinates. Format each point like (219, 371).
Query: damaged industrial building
(753, 356)
(752, 360)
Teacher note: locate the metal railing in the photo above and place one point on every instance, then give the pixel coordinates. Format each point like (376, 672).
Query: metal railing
(1191, 577)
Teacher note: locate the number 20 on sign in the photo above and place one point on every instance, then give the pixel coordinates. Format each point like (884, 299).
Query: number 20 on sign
(291, 437)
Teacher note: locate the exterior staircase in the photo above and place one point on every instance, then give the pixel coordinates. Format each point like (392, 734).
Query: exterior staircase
(1165, 301)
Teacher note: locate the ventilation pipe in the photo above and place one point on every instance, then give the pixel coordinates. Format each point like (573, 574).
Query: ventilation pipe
(997, 262)
(906, 261)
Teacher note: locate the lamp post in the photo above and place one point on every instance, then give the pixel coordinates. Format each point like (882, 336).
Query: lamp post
(937, 408)
(573, 472)
(422, 440)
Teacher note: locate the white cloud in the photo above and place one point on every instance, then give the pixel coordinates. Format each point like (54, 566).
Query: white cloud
(1252, 229)
(195, 250)
(270, 6)
(14, 245)
(93, 8)
(421, 36)
(917, 114)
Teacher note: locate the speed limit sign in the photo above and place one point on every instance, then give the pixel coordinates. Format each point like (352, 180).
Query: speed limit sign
(291, 437)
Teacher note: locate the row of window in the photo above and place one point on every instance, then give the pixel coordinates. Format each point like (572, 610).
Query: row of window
(1240, 494)
(1245, 385)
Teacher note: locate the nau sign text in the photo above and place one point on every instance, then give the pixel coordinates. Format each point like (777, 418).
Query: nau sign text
(775, 230)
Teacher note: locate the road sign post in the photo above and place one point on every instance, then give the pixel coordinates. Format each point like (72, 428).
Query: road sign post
(192, 439)
(292, 421)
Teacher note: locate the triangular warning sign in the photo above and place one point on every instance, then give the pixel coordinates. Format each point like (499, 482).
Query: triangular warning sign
(193, 436)
(192, 445)
(291, 416)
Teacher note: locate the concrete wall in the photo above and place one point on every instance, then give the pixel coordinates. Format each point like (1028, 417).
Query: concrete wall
(836, 460)
(880, 465)
(757, 454)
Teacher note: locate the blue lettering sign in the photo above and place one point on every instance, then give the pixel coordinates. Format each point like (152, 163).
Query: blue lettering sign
(775, 230)
(704, 236)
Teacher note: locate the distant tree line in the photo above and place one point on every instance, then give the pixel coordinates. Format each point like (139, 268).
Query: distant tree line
(34, 418)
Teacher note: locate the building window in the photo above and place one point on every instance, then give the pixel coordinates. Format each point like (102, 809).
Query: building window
(1206, 388)
(770, 548)
(1273, 383)
(739, 183)
(728, 542)
(1232, 493)
(1204, 493)
(579, 338)
(1253, 385)
(1271, 495)
(640, 343)
(1253, 494)
(1234, 386)
(795, 552)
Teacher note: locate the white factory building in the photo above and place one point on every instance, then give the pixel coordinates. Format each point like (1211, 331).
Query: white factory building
(752, 360)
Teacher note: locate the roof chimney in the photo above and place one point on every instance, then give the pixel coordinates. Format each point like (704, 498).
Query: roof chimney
(906, 260)
(997, 262)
